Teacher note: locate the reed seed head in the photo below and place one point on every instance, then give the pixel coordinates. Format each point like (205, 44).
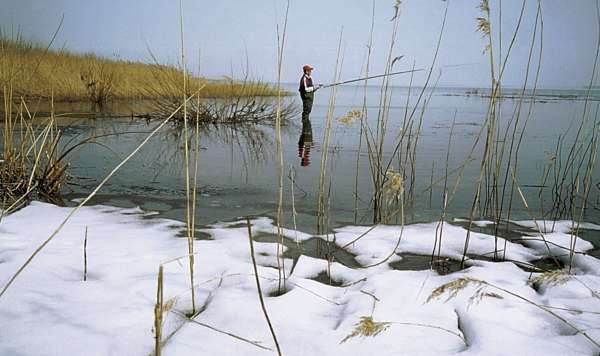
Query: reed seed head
(483, 23)
(395, 182)
(350, 117)
(396, 9)
(483, 26)
(397, 4)
(484, 6)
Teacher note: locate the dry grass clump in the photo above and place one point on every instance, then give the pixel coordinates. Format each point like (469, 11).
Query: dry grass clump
(230, 109)
(552, 278)
(453, 288)
(227, 101)
(367, 327)
(99, 80)
(31, 164)
(23, 174)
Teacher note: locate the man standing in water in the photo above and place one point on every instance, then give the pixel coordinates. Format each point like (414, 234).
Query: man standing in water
(307, 91)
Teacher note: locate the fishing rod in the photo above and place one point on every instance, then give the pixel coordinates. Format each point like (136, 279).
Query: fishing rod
(372, 77)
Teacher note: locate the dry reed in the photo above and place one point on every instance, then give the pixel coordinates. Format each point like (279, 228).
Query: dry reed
(259, 290)
(158, 312)
(85, 254)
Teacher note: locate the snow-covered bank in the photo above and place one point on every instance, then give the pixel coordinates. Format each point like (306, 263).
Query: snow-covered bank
(50, 310)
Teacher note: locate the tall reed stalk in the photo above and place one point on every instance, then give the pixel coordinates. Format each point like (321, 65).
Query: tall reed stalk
(539, 25)
(321, 197)
(491, 161)
(591, 152)
(280, 166)
(380, 132)
(259, 289)
(439, 229)
(404, 138)
(158, 313)
(189, 209)
(365, 116)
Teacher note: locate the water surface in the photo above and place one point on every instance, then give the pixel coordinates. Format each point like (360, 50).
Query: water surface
(237, 166)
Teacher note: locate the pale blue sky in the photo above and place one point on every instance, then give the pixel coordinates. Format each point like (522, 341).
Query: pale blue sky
(224, 31)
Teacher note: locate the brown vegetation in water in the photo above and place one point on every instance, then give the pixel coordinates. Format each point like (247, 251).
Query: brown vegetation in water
(68, 76)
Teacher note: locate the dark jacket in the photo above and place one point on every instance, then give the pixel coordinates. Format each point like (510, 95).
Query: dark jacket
(306, 82)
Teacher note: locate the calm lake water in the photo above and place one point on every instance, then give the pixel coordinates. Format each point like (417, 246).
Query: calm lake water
(238, 172)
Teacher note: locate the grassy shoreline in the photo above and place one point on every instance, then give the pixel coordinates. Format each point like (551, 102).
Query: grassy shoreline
(31, 71)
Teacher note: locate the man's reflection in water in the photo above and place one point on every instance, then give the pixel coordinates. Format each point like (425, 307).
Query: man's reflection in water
(305, 143)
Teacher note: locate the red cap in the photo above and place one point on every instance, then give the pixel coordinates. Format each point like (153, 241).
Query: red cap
(307, 67)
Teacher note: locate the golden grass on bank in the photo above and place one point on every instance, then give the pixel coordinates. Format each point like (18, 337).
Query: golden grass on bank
(36, 72)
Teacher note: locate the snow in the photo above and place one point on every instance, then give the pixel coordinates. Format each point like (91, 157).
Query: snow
(420, 238)
(564, 226)
(50, 310)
